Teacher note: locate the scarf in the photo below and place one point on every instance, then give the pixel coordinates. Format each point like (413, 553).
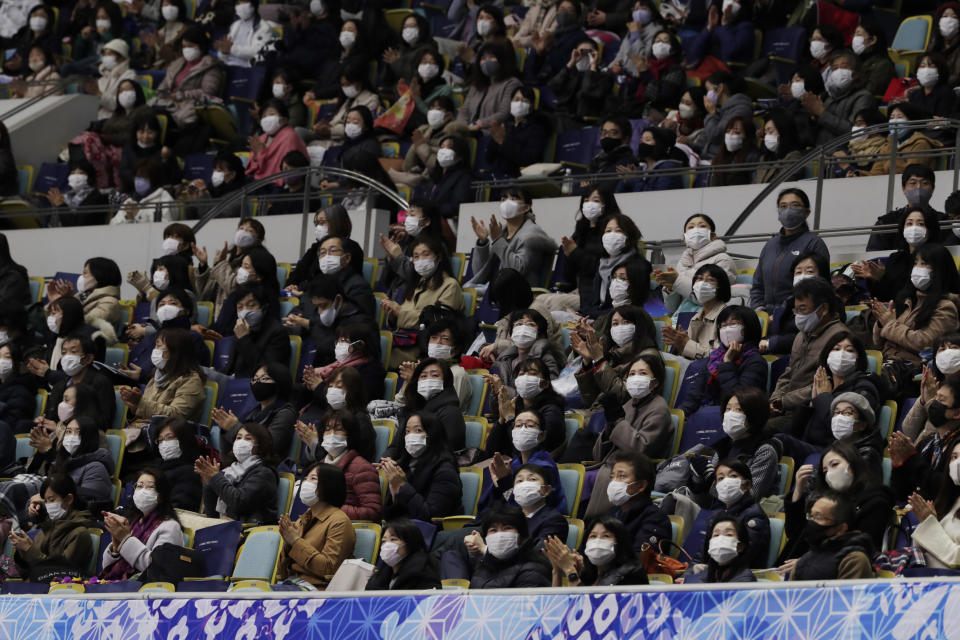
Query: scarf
(717, 355)
(142, 529)
(234, 473)
(75, 197)
(349, 362)
(607, 265)
(160, 378)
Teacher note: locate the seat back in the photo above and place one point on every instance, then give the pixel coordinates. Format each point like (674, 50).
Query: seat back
(575, 529)
(913, 34)
(235, 396)
(386, 343)
(384, 430)
(24, 450)
(370, 268)
(886, 417)
(295, 345)
(221, 353)
(259, 555)
(787, 465)
(116, 441)
(703, 427)
(471, 480)
(40, 402)
(390, 382)
(218, 546)
(777, 538)
(479, 387)
(676, 416)
(367, 545)
(571, 479)
(571, 424)
(671, 381)
(119, 411)
(210, 392)
(285, 484)
(117, 355)
(95, 545)
(476, 432)
(205, 314)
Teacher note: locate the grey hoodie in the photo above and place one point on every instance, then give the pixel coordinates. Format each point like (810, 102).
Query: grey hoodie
(708, 143)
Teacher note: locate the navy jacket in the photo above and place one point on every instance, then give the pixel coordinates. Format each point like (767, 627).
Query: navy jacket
(645, 522)
(752, 372)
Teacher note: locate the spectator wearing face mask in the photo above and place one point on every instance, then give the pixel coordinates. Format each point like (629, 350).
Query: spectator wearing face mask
(734, 362)
(175, 449)
(642, 425)
(327, 311)
(245, 489)
(64, 319)
(631, 484)
(726, 551)
(259, 338)
(421, 158)
(506, 555)
(945, 38)
(528, 333)
(779, 146)
(644, 25)
(277, 140)
(354, 92)
(606, 558)
(825, 41)
(336, 259)
(729, 32)
(150, 202)
(423, 220)
(217, 282)
(946, 365)
(431, 389)
(686, 115)
(870, 43)
(406, 561)
(847, 97)
(39, 75)
(145, 143)
(444, 340)
(162, 47)
(773, 278)
(114, 68)
(909, 141)
(874, 144)
(168, 273)
(739, 147)
(917, 183)
(519, 141)
(422, 478)
(534, 394)
(615, 152)
(936, 535)
(493, 83)
(342, 390)
(427, 69)
(702, 247)
(580, 86)
(283, 87)
(271, 387)
(176, 387)
(725, 99)
(17, 392)
(805, 79)
(400, 58)
(174, 308)
(40, 29)
(81, 192)
(248, 37)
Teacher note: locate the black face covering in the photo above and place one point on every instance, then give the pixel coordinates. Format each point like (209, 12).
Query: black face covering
(609, 144)
(816, 533)
(645, 151)
(263, 390)
(937, 413)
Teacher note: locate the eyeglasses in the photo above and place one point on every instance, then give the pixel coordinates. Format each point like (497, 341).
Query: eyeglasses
(332, 251)
(819, 519)
(141, 485)
(525, 424)
(850, 413)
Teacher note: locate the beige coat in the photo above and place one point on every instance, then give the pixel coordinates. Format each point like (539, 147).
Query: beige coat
(203, 82)
(46, 75)
(540, 18)
(918, 142)
(449, 293)
(109, 83)
(939, 538)
(424, 155)
(101, 310)
(793, 387)
(714, 252)
(182, 398)
(703, 333)
(328, 540)
(902, 340)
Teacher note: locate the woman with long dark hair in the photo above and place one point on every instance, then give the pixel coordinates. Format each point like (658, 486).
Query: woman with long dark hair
(606, 557)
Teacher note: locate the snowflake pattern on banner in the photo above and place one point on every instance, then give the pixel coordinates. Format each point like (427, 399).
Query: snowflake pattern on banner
(885, 609)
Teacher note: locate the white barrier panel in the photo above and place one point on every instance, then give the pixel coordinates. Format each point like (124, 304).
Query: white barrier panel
(877, 610)
(37, 134)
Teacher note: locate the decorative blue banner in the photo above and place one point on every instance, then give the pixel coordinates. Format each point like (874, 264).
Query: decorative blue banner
(884, 609)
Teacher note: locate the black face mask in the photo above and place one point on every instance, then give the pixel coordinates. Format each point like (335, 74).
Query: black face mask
(609, 144)
(816, 533)
(937, 413)
(263, 390)
(646, 151)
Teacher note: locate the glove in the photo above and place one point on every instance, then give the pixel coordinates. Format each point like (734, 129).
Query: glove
(139, 280)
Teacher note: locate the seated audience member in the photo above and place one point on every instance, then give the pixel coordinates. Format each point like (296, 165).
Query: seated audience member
(734, 363)
(151, 523)
(729, 33)
(946, 363)
(259, 338)
(780, 146)
(63, 536)
(423, 480)
(817, 314)
(936, 535)
(271, 387)
(629, 491)
(176, 388)
(448, 182)
(150, 202)
(344, 389)
(528, 333)
(192, 79)
(934, 97)
(41, 77)
(505, 555)
(246, 488)
(860, 154)
(876, 67)
(421, 159)
(353, 90)
(76, 367)
(725, 100)
(580, 85)
(145, 142)
(244, 45)
(619, 245)
(114, 68)
(535, 395)
(332, 221)
(98, 289)
(78, 454)
(520, 141)
(917, 226)
(320, 540)
(445, 341)
(340, 442)
(357, 346)
(278, 139)
(711, 290)
(726, 550)
(405, 562)
(773, 279)
(702, 247)
(945, 36)
(917, 183)
(423, 220)
(434, 393)
(17, 395)
(847, 96)
(82, 193)
(509, 291)
(176, 448)
(838, 551)
(337, 258)
(492, 83)
(782, 327)
(615, 151)
(732, 490)
(909, 141)
(641, 425)
(606, 558)
(583, 249)
(739, 147)
(922, 310)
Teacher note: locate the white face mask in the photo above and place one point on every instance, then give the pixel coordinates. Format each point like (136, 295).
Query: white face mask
(818, 48)
(771, 142)
(948, 26)
(928, 76)
(329, 264)
(55, 510)
(619, 290)
(109, 62)
(734, 424)
(242, 449)
(484, 27)
(954, 470)
(428, 72)
(800, 277)
(71, 365)
(839, 80)
(527, 386)
(145, 500)
(920, 277)
(435, 117)
(523, 336)
(429, 387)
(439, 351)
(317, 8)
(244, 11)
(156, 357)
(341, 351)
(638, 386)
(351, 92)
(855, 129)
(347, 38)
(686, 111)
(53, 324)
(190, 53)
(733, 142)
(38, 23)
(411, 224)
(806, 322)
(527, 494)
(704, 291)
(592, 210)
(270, 124)
(169, 12)
(64, 411)
(797, 89)
(328, 316)
(660, 50)
(519, 109)
(243, 239)
(161, 281)
(524, 438)
(308, 493)
(410, 34)
(696, 237)
(170, 246)
(503, 543)
(446, 157)
(617, 492)
(242, 275)
(600, 552)
(84, 283)
(948, 361)
(167, 312)
(127, 99)
(336, 398)
(71, 443)
(723, 549)
(390, 553)
(729, 490)
(730, 334)
(415, 443)
(623, 333)
(841, 426)
(279, 90)
(841, 362)
(915, 235)
(169, 449)
(425, 267)
(6, 366)
(614, 242)
(334, 444)
(77, 180)
(352, 130)
(839, 478)
(509, 209)
(216, 178)
(858, 45)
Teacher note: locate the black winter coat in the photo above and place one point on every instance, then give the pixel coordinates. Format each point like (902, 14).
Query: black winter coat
(417, 571)
(526, 567)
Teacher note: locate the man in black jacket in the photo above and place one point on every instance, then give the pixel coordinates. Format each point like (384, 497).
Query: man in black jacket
(918, 183)
(259, 338)
(631, 482)
(75, 362)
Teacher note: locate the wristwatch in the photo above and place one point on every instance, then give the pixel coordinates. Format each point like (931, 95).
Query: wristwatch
(573, 577)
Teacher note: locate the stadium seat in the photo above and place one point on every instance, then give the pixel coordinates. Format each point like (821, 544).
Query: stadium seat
(210, 392)
(469, 302)
(40, 403)
(874, 361)
(385, 431)
(912, 39)
(886, 466)
(787, 466)
(471, 480)
(25, 179)
(477, 430)
(886, 417)
(295, 345)
(285, 484)
(671, 381)
(575, 532)
(479, 386)
(458, 261)
(204, 313)
(119, 411)
(367, 546)
(116, 442)
(777, 537)
(571, 478)
(118, 354)
(676, 415)
(249, 586)
(259, 556)
(659, 578)
(36, 288)
(390, 383)
(24, 450)
(572, 422)
(370, 268)
(386, 344)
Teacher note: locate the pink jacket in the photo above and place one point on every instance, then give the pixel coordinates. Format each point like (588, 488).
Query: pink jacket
(267, 162)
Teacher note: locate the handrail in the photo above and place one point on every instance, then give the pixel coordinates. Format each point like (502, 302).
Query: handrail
(835, 144)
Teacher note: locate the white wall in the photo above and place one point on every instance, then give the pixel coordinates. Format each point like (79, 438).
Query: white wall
(37, 134)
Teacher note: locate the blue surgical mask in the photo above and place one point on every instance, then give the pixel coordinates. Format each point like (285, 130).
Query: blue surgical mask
(141, 185)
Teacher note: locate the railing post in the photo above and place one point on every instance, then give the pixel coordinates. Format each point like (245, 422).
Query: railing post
(892, 179)
(818, 200)
(956, 160)
(306, 210)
